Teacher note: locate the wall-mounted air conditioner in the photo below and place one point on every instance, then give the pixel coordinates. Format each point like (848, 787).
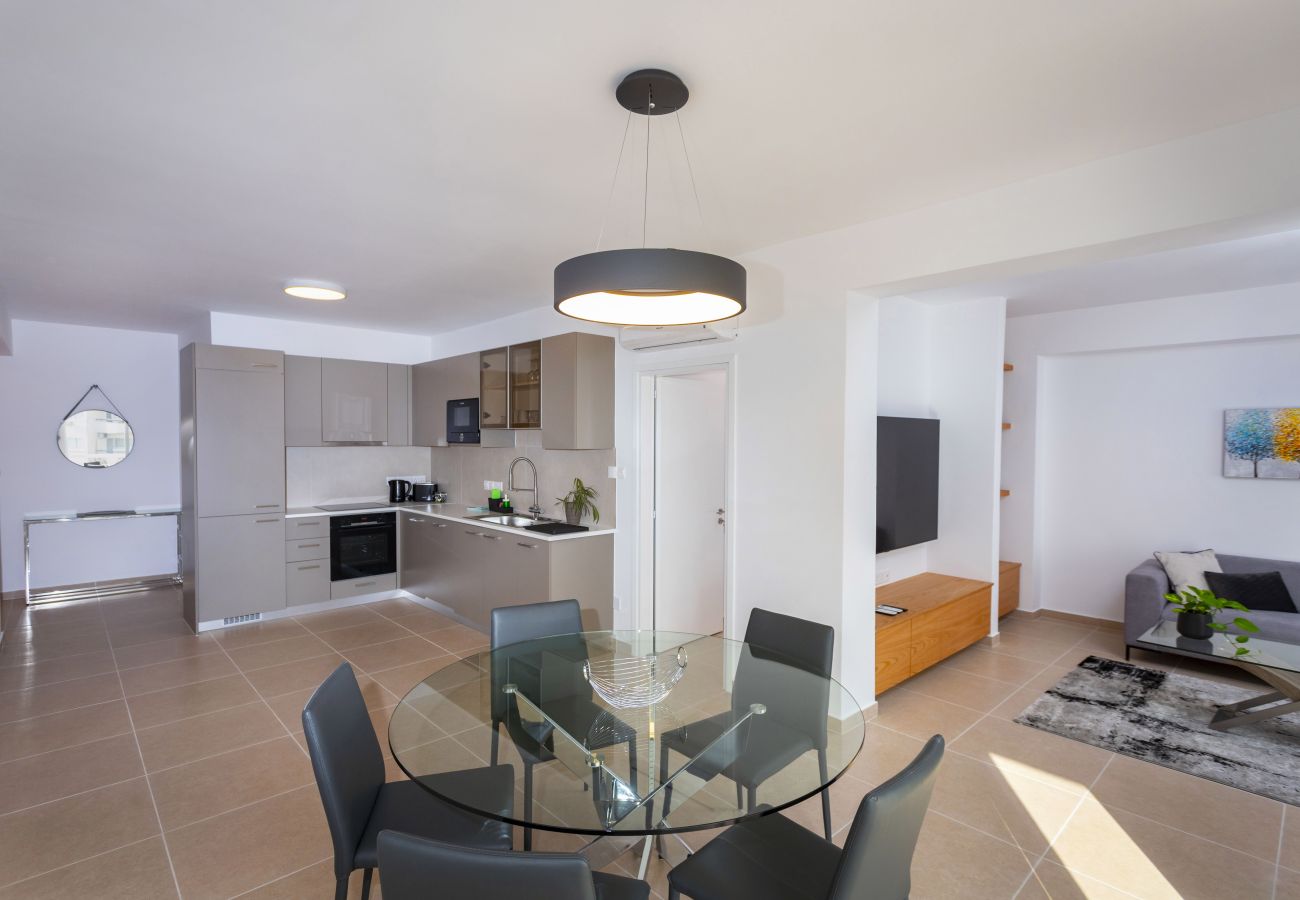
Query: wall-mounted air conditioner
(665, 337)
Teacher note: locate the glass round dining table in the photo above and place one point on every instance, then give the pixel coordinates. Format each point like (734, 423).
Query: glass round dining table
(628, 732)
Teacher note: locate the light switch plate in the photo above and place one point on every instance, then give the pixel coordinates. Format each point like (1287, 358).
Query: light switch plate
(613, 471)
(882, 576)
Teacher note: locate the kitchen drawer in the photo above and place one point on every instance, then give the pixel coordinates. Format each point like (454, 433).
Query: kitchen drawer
(356, 587)
(238, 359)
(311, 548)
(307, 582)
(312, 527)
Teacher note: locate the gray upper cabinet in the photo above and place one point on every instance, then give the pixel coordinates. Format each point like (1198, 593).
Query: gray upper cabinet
(399, 405)
(302, 406)
(354, 401)
(432, 385)
(239, 447)
(578, 392)
(238, 359)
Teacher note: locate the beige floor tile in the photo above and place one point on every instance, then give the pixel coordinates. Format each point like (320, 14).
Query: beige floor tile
(134, 872)
(400, 679)
(458, 638)
(218, 784)
(288, 707)
(18, 678)
(395, 607)
(258, 633)
(962, 688)
(1017, 703)
(186, 740)
(176, 673)
(274, 653)
(954, 861)
(978, 661)
(1053, 882)
(147, 633)
(1049, 758)
(363, 634)
(1153, 860)
(52, 698)
(1290, 855)
(1001, 803)
(1288, 885)
(921, 717)
(1046, 629)
(270, 839)
(66, 831)
(1109, 644)
(62, 773)
(295, 676)
(337, 618)
(1028, 647)
(884, 754)
(846, 794)
(29, 737)
(164, 650)
(423, 620)
(1220, 672)
(391, 654)
(39, 648)
(1180, 800)
(1048, 678)
(314, 881)
(190, 700)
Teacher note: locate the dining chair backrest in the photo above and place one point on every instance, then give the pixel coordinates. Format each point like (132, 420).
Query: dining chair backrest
(529, 622)
(346, 758)
(877, 857)
(414, 868)
(785, 665)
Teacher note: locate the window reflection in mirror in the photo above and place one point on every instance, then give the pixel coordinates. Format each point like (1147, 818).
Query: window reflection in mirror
(95, 438)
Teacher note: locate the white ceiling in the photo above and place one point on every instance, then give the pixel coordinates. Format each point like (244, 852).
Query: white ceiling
(159, 159)
(1206, 269)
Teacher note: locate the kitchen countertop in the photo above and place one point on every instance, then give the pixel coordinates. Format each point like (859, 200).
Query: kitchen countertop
(452, 512)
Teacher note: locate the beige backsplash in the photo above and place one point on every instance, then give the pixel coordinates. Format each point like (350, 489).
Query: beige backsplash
(461, 471)
(322, 474)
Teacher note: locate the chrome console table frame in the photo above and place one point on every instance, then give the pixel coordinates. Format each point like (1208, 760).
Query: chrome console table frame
(54, 595)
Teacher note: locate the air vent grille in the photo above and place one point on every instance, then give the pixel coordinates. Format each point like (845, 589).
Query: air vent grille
(237, 620)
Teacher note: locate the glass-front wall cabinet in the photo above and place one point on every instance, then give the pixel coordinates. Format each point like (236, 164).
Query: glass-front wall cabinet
(494, 388)
(526, 385)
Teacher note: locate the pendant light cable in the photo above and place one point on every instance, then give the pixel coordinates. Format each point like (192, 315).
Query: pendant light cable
(645, 191)
(699, 211)
(609, 201)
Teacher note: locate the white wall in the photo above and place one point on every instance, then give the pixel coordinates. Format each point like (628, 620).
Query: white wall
(317, 339)
(51, 367)
(1116, 445)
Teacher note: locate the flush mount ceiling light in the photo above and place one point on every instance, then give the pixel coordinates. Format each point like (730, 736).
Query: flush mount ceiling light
(307, 289)
(646, 285)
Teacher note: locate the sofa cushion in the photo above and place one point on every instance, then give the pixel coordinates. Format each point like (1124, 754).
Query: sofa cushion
(1253, 590)
(1188, 569)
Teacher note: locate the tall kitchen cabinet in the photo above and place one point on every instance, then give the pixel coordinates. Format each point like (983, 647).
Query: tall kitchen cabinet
(232, 481)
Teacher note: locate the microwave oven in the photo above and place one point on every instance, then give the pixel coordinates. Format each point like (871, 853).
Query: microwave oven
(462, 421)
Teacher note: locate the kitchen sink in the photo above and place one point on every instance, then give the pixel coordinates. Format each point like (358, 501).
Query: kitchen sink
(514, 521)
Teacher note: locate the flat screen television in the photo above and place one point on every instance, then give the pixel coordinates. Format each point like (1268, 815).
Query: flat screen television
(907, 482)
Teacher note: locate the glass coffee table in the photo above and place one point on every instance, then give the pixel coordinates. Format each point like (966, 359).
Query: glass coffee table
(1276, 663)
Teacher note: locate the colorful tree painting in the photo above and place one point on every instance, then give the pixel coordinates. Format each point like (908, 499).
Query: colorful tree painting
(1286, 435)
(1249, 435)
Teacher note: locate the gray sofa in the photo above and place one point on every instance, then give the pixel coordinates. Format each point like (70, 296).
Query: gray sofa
(1146, 586)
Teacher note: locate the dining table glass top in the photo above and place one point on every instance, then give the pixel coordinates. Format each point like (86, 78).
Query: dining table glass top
(628, 732)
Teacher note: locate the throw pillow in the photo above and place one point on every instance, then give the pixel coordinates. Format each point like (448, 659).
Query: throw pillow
(1188, 569)
(1253, 590)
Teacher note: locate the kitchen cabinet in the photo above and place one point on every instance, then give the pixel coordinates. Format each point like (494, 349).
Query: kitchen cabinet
(399, 405)
(529, 564)
(240, 565)
(302, 401)
(525, 363)
(359, 587)
(239, 442)
(414, 552)
(432, 385)
(494, 388)
(354, 401)
(578, 392)
(237, 359)
(307, 581)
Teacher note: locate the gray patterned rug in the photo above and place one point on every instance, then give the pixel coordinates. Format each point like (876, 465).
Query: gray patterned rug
(1162, 717)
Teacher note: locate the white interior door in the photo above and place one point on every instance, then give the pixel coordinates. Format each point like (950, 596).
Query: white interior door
(690, 492)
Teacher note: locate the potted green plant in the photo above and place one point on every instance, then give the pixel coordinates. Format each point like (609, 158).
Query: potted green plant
(1197, 608)
(577, 503)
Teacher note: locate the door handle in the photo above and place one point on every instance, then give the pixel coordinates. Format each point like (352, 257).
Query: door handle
(307, 546)
(265, 521)
(526, 546)
(305, 568)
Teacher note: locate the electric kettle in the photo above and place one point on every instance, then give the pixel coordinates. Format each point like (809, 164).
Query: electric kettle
(399, 489)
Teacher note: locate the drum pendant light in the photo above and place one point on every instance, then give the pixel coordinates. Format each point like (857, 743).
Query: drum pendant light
(650, 286)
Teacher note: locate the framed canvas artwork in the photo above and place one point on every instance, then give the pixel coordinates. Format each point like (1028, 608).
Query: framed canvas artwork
(1261, 443)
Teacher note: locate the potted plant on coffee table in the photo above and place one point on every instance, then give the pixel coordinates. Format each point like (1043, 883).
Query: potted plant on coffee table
(577, 503)
(1197, 608)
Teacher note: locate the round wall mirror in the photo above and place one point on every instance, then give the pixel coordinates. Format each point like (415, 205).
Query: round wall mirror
(95, 438)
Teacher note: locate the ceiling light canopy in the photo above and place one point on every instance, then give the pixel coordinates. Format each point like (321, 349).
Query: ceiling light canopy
(309, 289)
(645, 285)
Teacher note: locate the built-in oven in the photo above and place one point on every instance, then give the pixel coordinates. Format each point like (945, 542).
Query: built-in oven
(363, 545)
(462, 421)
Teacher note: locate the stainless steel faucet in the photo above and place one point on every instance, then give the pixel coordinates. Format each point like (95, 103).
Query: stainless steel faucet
(535, 511)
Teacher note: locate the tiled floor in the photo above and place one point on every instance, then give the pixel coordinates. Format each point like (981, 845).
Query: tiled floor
(137, 760)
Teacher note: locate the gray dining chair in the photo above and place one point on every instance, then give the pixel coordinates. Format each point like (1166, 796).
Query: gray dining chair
(778, 648)
(772, 858)
(349, 768)
(571, 704)
(414, 868)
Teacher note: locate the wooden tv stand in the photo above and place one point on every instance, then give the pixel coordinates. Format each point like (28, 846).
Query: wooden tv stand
(944, 614)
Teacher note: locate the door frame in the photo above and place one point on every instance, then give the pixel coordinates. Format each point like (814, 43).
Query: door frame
(645, 450)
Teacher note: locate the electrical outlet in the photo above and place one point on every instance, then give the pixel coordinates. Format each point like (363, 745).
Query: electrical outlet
(494, 485)
(882, 576)
(613, 471)
(618, 602)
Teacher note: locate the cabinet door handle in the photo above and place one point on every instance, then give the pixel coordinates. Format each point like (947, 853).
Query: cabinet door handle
(441, 524)
(265, 366)
(526, 546)
(267, 506)
(307, 546)
(265, 521)
(305, 568)
(311, 524)
(473, 533)
(491, 537)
